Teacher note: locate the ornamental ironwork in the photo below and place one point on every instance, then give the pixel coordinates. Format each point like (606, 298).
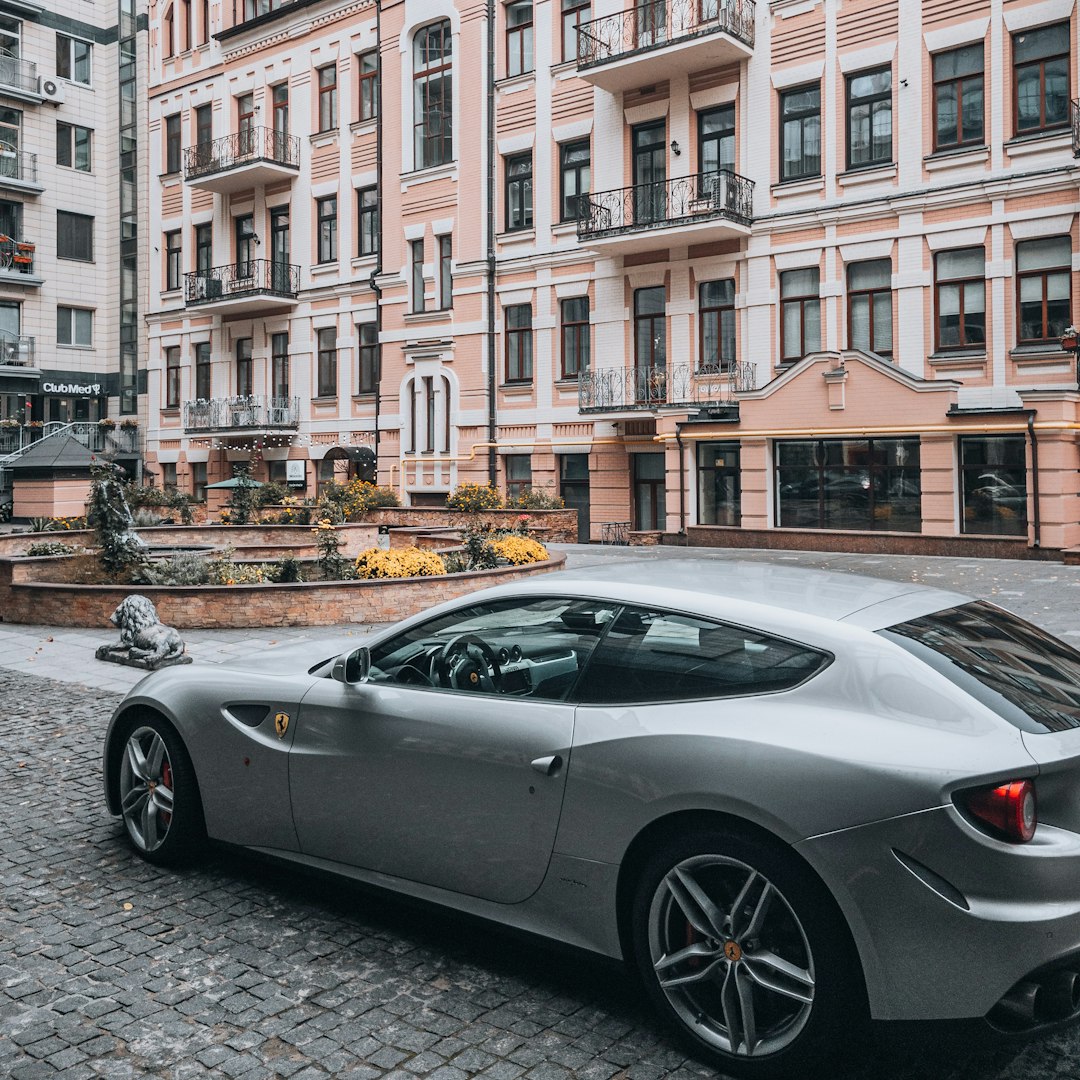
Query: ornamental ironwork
(683, 200)
(241, 279)
(16, 256)
(245, 147)
(1074, 109)
(611, 389)
(660, 23)
(241, 412)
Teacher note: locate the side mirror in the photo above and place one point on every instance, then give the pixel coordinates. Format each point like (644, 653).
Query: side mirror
(352, 667)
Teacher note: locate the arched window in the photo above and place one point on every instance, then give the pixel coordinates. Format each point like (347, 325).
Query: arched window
(433, 96)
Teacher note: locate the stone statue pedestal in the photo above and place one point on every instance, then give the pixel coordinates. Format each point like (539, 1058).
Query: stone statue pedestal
(121, 654)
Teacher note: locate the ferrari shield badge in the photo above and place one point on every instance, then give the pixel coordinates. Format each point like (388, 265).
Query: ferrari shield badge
(281, 724)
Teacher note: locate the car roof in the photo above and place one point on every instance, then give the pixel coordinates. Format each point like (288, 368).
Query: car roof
(734, 588)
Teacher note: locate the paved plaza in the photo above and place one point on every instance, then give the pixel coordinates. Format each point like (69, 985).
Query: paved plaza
(238, 968)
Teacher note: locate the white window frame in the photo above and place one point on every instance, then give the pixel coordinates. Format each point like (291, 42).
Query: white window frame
(71, 39)
(72, 327)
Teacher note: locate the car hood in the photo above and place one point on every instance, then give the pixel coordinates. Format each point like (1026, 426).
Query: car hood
(295, 658)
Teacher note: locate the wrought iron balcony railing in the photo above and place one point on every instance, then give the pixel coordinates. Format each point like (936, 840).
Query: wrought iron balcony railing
(1075, 112)
(16, 349)
(241, 279)
(16, 256)
(611, 389)
(680, 201)
(245, 411)
(18, 74)
(241, 148)
(657, 23)
(17, 164)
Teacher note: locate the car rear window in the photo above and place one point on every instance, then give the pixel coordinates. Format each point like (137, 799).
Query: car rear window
(1028, 677)
(650, 656)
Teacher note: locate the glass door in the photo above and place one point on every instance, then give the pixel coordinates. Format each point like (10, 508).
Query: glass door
(649, 491)
(279, 248)
(716, 152)
(650, 172)
(574, 489)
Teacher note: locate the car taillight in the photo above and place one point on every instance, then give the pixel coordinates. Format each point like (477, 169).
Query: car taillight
(1009, 809)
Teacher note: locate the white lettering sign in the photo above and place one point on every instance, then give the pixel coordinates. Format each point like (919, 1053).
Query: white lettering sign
(71, 388)
(294, 471)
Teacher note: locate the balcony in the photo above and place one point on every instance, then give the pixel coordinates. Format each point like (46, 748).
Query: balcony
(258, 285)
(703, 207)
(19, 78)
(633, 389)
(243, 160)
(248, 414)
(16, 350)
(1074, 112)
(17, 262)
(656, 40)
(18, 171)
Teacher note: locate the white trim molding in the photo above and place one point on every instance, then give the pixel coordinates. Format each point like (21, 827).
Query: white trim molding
(874, 56)
(793, 76)
(954, 36)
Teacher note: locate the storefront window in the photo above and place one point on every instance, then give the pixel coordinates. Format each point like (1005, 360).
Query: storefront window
(994, 484)
(718, 484)
(854, 484)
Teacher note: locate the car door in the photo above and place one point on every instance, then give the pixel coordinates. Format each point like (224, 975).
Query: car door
(438, 770)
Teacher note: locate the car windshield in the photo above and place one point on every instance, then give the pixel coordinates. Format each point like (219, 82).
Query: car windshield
(1028, 677)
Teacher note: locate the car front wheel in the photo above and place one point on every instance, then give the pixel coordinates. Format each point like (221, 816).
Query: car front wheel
(159, 797)
(744, 952)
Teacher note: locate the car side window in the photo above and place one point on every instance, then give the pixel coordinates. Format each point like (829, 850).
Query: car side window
(651, 656)
(527, 647)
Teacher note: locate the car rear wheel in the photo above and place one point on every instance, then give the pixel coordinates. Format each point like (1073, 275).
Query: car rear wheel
(159, 797)
(744, 952)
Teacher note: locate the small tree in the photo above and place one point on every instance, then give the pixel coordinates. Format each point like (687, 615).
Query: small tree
(243, 500)
(119, 549)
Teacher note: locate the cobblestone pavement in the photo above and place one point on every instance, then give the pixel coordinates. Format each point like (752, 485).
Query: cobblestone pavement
(236, 968)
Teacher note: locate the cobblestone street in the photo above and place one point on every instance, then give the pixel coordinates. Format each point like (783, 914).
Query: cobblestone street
(235, 968)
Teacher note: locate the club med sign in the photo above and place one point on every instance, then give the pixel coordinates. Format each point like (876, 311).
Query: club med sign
(92, 389)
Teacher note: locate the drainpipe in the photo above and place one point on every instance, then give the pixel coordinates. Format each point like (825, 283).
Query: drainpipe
(372, 283)
(493, 457)
(1036, 529)
(682, 479)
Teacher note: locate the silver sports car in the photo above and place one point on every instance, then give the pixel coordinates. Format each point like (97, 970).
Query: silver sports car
(790, 798)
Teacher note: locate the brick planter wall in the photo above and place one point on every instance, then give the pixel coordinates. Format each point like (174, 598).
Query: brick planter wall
(547, 526)
(24, 598)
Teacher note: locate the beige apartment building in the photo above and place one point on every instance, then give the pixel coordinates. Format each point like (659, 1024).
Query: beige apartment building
(72, 245)
(789, 273)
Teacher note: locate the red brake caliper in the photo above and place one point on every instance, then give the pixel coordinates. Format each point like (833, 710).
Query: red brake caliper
(166, 779)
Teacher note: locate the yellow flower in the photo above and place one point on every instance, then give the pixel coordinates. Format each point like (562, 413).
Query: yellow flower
(519, 550)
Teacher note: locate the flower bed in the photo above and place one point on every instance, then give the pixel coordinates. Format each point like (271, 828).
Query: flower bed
(25, 597)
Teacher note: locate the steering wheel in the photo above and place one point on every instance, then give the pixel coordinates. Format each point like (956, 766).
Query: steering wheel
(459, 669)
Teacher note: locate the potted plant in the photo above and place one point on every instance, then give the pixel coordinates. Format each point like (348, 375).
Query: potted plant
(106, 423)
(130, 424)
(1068, 339)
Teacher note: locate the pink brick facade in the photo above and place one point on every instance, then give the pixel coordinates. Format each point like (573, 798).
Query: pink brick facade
(774, 192)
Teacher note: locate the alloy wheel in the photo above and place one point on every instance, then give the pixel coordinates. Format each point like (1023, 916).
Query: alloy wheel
(146, 788)
(731, 956)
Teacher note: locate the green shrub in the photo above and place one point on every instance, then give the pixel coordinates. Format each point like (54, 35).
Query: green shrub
(472, 498)
(188, 568)
(535, 499)
(50, 547)
(272, 492)
(288, 569)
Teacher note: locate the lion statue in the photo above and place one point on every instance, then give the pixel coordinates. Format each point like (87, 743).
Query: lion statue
(143, 634)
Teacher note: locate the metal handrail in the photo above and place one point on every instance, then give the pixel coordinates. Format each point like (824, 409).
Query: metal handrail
(17, 73)
(658, 23)
(16, 255)
(240, 412)
(241, 279)
(88, 432)
(680, 200)
(16, 164)
(16, 350)
(241, 148)
(606, 389)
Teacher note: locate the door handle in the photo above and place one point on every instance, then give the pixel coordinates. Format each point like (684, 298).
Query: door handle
(547, 766)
